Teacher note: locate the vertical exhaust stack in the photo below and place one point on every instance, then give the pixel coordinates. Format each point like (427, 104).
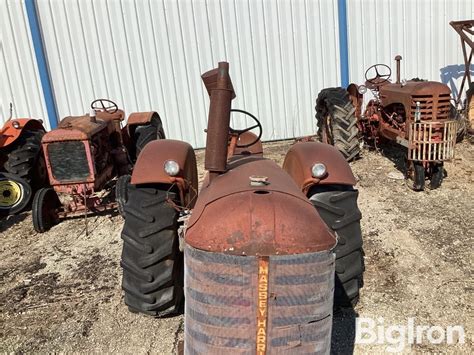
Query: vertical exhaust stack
(398, 58)
(221, 93)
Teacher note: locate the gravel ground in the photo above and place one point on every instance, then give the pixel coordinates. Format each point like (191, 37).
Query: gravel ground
(60, 291)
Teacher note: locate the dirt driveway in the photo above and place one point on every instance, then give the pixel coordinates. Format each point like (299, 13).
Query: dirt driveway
(60, 291)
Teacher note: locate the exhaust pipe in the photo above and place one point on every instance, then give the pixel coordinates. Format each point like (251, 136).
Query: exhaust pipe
(221, 93)
(398, 58)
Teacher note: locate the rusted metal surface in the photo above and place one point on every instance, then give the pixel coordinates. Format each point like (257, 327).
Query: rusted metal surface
(9, 134)
(258, 305)
(142, 117)
(275, 218)
(75, 128)
(302, 156)
(149, 167)
(221, 93)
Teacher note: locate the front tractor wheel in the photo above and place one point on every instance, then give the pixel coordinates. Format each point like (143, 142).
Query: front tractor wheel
(45, 209)
(337, 122)
(434, 172)
(151, 260)
(337, 206)
(15, 194)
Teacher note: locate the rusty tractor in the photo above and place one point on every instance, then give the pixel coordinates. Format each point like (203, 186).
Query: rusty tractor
(84, 154)
(415, 114)
(22, 168)
(255, 253)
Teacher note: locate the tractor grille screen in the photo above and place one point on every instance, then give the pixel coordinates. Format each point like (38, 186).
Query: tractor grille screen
(68, 161)
(224, 300)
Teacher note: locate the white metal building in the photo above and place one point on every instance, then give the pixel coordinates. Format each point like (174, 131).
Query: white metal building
(149, 54)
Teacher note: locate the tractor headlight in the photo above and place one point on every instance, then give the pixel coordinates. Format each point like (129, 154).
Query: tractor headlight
(171, 167)
(318, 170)
(16, 124)
(362, 89)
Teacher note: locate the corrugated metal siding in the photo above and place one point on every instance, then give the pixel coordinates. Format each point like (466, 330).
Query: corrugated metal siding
(148, 55)
(20, 84)
(417, 30)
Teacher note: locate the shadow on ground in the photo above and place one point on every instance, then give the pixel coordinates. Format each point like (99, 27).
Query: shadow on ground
(343, 331)
(8, 221)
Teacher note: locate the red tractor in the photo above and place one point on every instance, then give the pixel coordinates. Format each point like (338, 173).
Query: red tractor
(82, 156)
(259, 255)
(22, 167)
(415, 114)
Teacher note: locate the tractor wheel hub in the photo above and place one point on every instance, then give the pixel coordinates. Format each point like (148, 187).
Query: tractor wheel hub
(10, 193)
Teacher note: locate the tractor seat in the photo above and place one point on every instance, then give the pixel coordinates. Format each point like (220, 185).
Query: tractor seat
(118, 115)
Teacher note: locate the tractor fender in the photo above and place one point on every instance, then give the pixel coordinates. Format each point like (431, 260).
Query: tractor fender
(10, 134)
(136, 119)
(302, 156)
(149, 168)
(141, 118)
(357, 98)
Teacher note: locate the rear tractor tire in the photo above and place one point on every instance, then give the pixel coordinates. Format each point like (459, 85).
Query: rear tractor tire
(15, 194)
(144, 134)
(45, 209)
(337, 122)
(151, 260)
(337, 206)
(26, 159)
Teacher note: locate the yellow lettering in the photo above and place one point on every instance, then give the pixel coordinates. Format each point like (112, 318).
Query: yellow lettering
(263, 270)
(261, 347)
(263, 278)
(262, 323)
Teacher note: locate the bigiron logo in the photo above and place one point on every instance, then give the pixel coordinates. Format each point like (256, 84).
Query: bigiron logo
(370, 331)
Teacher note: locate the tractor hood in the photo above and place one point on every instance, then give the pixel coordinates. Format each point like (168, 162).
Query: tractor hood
(75, 128)
(232, 216)
(415, 88)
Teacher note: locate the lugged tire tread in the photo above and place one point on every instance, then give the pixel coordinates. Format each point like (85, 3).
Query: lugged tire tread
(151, 261)
(21, 160)
(336, 102)
(338, 208)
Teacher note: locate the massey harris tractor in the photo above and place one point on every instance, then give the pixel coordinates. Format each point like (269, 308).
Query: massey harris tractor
(415, 114)
(260, 255)
(82, 156)
(22, 168)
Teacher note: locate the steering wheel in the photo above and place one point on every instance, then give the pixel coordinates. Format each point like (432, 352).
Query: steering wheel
(104, 105)
(241, 131)
(378, 79)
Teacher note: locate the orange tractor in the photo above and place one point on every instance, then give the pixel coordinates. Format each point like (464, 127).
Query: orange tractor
(414, 114)
(22, 168)
(84, 154)
(259, 255)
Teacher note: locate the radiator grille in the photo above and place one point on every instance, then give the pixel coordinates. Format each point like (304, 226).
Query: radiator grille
(68, 161)
(221, 294)
(432, 141)
(432, 107)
